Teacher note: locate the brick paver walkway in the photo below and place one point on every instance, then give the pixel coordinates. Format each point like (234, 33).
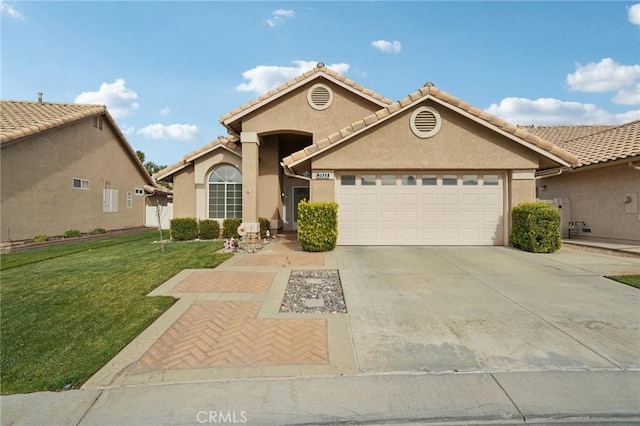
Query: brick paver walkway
(227, 334)
(225, 281)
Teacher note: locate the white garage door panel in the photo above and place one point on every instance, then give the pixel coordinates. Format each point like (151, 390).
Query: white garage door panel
(420, 214)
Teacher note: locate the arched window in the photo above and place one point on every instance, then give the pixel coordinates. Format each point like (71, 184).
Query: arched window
(225, 193)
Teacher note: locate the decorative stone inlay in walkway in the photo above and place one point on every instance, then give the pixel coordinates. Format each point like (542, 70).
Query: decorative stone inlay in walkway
(283, 260)
(313, 292)
(225, 281)
(227, 334)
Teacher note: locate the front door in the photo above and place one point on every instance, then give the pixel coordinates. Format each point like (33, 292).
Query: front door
(299, 193)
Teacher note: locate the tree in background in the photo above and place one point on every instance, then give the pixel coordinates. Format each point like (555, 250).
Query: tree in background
(151, 167)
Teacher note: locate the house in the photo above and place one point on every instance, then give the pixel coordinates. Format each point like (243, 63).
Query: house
(598, 197)
(68, 166)
(429, 169)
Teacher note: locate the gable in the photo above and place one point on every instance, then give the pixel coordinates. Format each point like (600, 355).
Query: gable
(233, 120)
(554, 156)
(295, 113)
(460, 143)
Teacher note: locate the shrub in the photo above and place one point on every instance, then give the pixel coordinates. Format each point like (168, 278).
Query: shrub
(265, 224)
(209, 229)
(97, 231)
(318, 225)
(184, 228)
(230, 228)
(71, 233)
(535, 228)
(40, 238)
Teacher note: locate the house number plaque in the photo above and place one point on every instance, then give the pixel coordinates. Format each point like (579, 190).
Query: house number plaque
(323, 175)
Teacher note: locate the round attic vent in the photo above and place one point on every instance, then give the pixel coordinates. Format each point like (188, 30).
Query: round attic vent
(425, 122)
(320, 96)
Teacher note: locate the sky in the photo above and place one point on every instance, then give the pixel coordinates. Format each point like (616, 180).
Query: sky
(167, 70)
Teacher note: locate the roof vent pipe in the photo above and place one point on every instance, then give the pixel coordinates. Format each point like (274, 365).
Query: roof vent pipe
(39, 97)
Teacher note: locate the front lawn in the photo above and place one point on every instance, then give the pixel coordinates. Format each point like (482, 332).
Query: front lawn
(67, 310)
(632, 280)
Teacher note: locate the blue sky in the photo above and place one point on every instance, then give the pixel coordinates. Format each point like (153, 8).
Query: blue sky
(168, 70)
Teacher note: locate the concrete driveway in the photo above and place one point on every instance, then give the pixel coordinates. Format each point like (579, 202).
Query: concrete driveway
(443, 309)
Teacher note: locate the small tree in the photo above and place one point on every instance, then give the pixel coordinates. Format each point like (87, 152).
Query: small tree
(318, 225)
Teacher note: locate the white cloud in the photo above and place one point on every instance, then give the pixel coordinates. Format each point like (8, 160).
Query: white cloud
(607, 76)
(604, 76)
(387, 46)
(279, 16)
(181, 132)
(628, 95)
(12, 12)
(116, 96)
(165, 110)
(628, 116)
(634, 14)
(128, 130)
(550, 111)
(263, 78)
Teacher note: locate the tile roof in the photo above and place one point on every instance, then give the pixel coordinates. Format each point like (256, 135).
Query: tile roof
(318, 71)
(612, 144)
(418, 96)
(23, 118)
(230, 143)
(557, 134)
(19, 119)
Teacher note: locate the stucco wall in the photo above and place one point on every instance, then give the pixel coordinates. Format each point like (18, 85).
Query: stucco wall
(38, 196)
(460, 144)
(293, 113)
(184, 193)
(269, 192)
(597, 198)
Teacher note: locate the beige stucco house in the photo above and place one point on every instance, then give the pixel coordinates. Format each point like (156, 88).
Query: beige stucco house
(68, 166)
(599, 195)
(429, 169)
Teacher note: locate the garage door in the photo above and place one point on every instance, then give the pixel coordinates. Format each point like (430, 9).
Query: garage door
(420, 209)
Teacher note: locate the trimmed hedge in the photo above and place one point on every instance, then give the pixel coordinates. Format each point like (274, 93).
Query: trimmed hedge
(209, 229)
(318, 225)
(230, 228)
(265, 224)
(535, 228)
(184, 228)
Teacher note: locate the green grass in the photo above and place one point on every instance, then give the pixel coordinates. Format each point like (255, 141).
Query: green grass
(632, 280)
(67, 310)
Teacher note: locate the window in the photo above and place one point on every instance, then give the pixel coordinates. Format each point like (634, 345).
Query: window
(80, 183)
(408, 180)
(469, 179)
(429, 180)
(388, 179)
(449, 180)
(129, 199)
(225, 193)
(367, 180)
(139, 191)
(347, 180)
(490, 179)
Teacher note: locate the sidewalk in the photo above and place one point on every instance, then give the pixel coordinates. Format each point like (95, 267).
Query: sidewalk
(604, 246)
(578, 397)
(224, 354)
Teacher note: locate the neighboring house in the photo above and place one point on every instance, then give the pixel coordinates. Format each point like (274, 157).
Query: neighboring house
(600, 193)
(428, 169)
(68, 166)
